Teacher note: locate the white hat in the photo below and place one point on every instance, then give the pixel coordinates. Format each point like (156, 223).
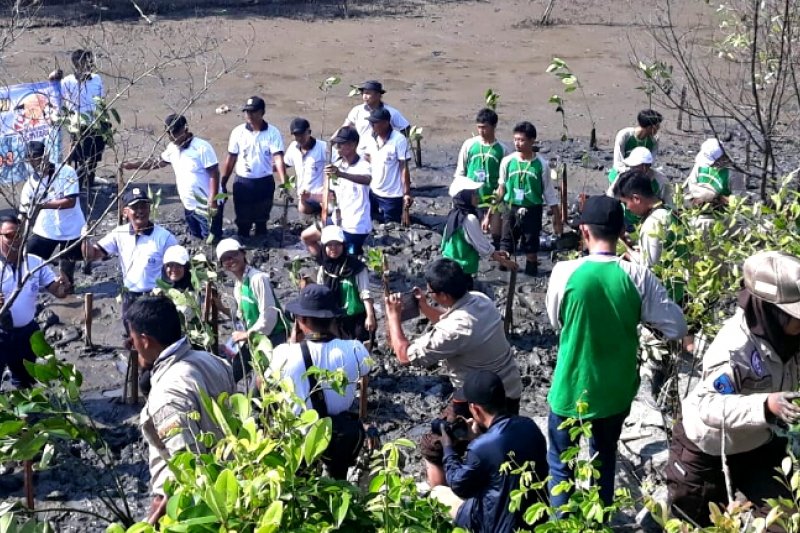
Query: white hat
(176, 254)
(332, 233)
(710, 151)
(463, 183)
(639, 156)
(228, 245)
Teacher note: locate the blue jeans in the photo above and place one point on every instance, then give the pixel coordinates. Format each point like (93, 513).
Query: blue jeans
(354, 242)
(605, 435)
(386, 209)
(197, 224)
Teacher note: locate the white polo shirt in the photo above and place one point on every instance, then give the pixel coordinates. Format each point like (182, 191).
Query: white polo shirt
(140, 256)
(79, 96)
(387, 161)
(254, 150)
(309, 167)
(359, 114)
(190, 165)
(352, 198)
(55, 224)
(23, 310)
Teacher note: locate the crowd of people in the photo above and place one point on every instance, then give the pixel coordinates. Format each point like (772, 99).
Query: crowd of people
(598, 302)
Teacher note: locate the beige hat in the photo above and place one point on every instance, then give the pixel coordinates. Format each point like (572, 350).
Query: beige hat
(639, 156)
(775, 277)
(463, 183)
(228, 245)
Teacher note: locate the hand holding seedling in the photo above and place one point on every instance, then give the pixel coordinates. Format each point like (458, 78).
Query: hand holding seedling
(782, 405)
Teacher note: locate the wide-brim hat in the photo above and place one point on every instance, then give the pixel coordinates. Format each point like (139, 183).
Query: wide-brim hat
(372, 85)
(463, 183)
(315, 301)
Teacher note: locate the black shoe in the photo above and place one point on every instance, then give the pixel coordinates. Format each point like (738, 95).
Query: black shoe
(531, 269)
(503, 268)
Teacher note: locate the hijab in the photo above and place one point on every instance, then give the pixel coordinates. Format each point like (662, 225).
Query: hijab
(767, 321)
(343, 267)
(185, 283)
(462, 206)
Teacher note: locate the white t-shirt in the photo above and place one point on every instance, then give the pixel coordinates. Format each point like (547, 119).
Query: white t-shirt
(254, 150)
(359, 114)
(140, 256)
(387, 162)
(190, 166)
(287, 361)
(309, 167)
(55, 224)
(352, 198)
(23, 310)
(79, 96)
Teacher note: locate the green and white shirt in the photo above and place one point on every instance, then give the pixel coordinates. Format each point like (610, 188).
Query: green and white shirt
(481, 162)
(626, 141)
(714, 177)
(598, 301)
(526, 182)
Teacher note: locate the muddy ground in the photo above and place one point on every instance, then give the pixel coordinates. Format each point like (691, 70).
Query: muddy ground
(436, 60)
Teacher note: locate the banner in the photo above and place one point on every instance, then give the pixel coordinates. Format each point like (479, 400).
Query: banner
(28, 112)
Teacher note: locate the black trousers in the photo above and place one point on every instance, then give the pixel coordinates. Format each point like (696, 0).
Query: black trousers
(15, 349)
(523, 230)
(86, 154)
(44, 248)
(252, 203)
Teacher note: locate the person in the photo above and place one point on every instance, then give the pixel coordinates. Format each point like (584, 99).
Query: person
(597, 302)
(196, 176)
(478, 493)
(467, 334)
(18, 321)
(462, 239)
(315, 310)
(648, 122)
(350, 177)
(175, 272)
(640, 158)
(372, 92)
(82, 93)
(525, 187)
(479, 160)
(387, 151)
(258, 308)
(308, 157)
(710, 171)
(140, 245)
(745, 398)
(255, 148)
(179, 378)
(348, 278)
(49, 199)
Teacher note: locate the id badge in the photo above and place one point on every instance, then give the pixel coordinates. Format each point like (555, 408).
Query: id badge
(480, 175)
(519, 194)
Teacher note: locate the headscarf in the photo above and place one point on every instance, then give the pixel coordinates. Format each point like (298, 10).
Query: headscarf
(767, 321)
(343, 267)
(462, 206)
(185, 283)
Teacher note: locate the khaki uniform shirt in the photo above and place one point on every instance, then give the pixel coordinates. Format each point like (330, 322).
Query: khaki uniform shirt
(179, 374)
(739, 371)
(469, 336)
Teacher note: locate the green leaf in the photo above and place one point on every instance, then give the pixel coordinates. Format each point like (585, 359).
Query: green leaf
(317, 440)
(40, 346)
(341, 511)
(11, 427)
(227, 488)
(272, 518)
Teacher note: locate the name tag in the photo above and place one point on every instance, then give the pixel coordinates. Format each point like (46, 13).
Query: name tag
(519, 194)
(480, 175)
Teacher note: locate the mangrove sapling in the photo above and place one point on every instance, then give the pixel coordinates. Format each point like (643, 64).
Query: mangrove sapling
(491, 99)
(559, 68)
(325, 86)
(415, 138)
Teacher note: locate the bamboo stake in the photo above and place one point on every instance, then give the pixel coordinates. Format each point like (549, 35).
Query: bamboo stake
(120, 187)
(133, 364)
(564, 201)
(363, 386)
(418, 152)
(681, 109)
(508, 319)
(27, 478)
(88, 304)
(211, 316)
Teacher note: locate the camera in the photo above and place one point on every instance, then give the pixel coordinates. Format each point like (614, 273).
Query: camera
(457, 430)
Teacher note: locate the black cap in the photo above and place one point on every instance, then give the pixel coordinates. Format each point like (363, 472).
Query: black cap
(603, 211)
(346, 134)
(372, 85)
(484, 387)
(299, 125)
(316, 301)
(174, 122)
(35, 149)
(135, 195)
(378, 115)
(254, 103)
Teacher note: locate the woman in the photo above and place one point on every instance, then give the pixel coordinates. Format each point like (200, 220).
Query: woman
(749, 374)
(175, 272)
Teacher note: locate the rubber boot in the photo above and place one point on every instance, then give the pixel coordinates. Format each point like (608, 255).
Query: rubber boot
(531, 269)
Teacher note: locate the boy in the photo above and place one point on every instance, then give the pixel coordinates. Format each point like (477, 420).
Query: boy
(644, 134)
(524, 187)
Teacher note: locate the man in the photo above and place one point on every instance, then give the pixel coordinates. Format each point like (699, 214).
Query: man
(179, 376)
(308, 157)
(525, 186)
(477, 492)
(254, 149)
(641, 159)
(479, 160)
(196, 176)
(17, 321)
(388, 154)
(81, 93)
(350, 177)
(467, 334)
(598, 301)
(315, 310)
(140, 245)
(372, 93)
(711, 172)
(49, 199)
(648, 122)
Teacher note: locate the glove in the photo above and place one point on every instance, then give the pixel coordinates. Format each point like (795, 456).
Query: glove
(781, 405)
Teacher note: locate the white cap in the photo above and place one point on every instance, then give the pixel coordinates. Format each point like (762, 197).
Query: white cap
(710, 151)
(463, 183)
(638, 156)
(332, 233)
(176, 254)
(228, 245)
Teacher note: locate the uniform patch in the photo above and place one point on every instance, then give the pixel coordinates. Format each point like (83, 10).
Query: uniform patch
(757, 364)
(724, 385)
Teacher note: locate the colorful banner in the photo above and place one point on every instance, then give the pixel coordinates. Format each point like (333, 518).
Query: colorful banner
(28, 112)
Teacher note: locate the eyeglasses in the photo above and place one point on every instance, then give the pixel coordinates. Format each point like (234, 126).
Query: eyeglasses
(10, 235)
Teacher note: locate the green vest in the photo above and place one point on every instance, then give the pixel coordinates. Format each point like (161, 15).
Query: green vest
(459, 250)
(632, 142)
(350, 298)
(483, 164)
(718, 178)
(250, 311)
(524, 184)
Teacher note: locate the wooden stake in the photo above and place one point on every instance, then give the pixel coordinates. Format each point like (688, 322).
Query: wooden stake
(88, 304)
(133, 378)
(284, 218)
(363, 389)
(406, 218)
(27, 479)
(508, 319)
(211, 316)
(593, 139)
(564, 201)
(418, 152)
(545, 20)
(120, 187)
